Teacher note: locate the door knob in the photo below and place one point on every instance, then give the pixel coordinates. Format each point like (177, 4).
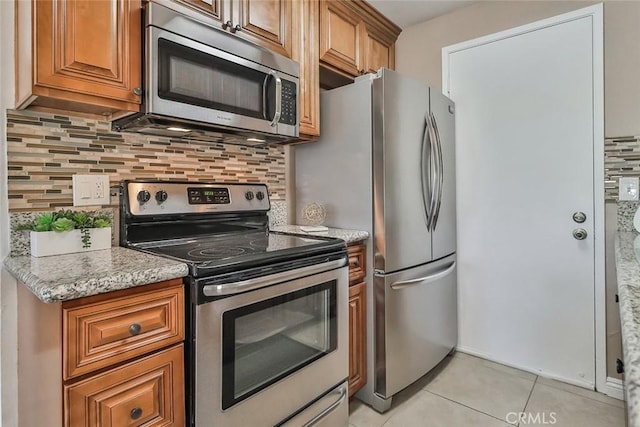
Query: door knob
(227, 24)
(580, 234)
(579, 217)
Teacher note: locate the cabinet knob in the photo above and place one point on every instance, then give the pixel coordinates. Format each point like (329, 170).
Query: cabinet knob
(137, 91)
(135, 329)
(136, 413)
(227, 24)
(236, 28)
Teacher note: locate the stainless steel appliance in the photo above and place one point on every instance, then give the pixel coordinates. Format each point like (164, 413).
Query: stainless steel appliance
(205, 83)
(267, 336)
(389, 142)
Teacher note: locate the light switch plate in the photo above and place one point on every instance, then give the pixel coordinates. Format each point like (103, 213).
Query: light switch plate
(629, 188)
(90, 190)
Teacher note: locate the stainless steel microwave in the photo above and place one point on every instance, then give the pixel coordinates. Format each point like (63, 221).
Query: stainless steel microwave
(204, 83)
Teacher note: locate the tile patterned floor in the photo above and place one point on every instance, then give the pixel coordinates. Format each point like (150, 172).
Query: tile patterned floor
(467, 391)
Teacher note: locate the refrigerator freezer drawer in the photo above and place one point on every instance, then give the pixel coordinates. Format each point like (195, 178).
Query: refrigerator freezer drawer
(416, 325)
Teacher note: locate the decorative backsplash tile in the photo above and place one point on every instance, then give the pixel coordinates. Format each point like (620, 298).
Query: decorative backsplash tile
(45, 150)
(621, 159)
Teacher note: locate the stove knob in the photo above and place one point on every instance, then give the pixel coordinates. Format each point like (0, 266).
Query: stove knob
(248, 195)
(143, 196)
(161, 196)
(259, 195)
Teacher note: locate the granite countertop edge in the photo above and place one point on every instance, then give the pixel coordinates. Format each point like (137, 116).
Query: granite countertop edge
(349, 236)
(65, 277)
(628, 278)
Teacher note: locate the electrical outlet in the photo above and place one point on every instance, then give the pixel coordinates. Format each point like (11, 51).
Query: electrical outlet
(628, 188)
(90, 190)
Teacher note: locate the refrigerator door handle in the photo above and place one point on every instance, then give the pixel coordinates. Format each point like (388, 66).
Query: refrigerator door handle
(426, 279)
(433, 168)
(427, 194)
(440, 172)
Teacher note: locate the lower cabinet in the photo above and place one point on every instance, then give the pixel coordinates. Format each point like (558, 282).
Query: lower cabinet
(357, 337)
(148, 392)
(357, 318)
(110, 360)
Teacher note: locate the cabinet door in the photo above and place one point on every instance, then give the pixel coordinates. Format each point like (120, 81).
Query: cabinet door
(341, 37)
(357, 337)
(213, 8)
(88, 51)
(305, 51)
(147, 392)
(379, 52)
(265, 22)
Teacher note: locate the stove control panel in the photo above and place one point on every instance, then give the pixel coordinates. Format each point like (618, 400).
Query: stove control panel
(211, 196)
(166, 197)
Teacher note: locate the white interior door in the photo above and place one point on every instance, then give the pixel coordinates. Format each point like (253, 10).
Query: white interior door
(526, 104)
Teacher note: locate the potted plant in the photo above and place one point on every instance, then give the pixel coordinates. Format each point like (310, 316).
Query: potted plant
(67, 231)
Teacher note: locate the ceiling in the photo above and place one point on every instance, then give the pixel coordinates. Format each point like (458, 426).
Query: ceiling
(408, 12)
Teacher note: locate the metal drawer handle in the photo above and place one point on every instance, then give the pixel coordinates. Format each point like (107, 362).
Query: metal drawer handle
(342, 395)
(135, 329)
(136, 413)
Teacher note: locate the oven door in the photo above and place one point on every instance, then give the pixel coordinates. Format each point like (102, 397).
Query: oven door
(264, 355)
(197, 82)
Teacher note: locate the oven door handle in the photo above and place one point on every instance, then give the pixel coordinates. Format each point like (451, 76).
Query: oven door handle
(261, 282)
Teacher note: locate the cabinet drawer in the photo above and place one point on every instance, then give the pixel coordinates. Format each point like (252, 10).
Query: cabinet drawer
(357, 269)
(99, 332)
(147, 392)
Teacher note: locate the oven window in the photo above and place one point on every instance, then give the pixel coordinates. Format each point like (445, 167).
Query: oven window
(193, 77)
(266, 341)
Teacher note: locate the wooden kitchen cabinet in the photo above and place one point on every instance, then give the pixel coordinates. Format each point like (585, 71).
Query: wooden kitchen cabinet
(147, 392)
(80, 55)
(355, 38)
(115, 359)
(268, 23)
(357, 318)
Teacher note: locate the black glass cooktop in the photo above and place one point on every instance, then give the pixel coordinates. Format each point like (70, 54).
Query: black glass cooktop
(221, 253)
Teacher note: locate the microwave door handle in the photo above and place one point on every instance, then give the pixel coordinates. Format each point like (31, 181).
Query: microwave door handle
(276, 116)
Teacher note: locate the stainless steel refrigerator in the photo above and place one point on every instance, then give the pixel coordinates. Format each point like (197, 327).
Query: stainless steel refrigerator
(385, 164)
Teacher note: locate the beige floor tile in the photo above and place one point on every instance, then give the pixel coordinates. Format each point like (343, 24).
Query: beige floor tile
(571, 410)
(470, 381)
(429, 410)
(582, 392)
(361, 415)
(497, 366)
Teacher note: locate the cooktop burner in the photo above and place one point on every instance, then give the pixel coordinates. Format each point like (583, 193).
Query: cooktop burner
(248, 249)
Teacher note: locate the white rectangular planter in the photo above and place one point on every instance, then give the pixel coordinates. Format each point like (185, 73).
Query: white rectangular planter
(47, 243)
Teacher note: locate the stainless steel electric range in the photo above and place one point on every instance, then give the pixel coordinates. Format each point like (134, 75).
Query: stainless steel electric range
(267, 318)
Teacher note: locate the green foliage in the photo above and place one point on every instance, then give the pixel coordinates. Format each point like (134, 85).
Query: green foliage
(66, 220)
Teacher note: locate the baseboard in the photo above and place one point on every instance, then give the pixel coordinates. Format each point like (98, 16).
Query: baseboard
(614, 388)
(583, 384)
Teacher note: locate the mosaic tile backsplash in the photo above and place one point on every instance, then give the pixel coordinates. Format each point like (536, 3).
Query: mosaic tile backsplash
(45, 150)
(621, 159)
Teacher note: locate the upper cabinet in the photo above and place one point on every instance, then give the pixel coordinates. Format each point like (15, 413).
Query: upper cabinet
(80, 55)
(267, 23)
(355, 38)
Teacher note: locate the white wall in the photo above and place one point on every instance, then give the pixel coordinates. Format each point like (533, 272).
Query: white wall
(8, 355)
(419, 47)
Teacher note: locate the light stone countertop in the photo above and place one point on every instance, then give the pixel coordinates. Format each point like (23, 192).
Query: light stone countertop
(628, 275)
(65, 277)
(349, 236)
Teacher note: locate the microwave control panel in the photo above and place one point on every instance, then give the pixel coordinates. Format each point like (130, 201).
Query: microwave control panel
(289, 103)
